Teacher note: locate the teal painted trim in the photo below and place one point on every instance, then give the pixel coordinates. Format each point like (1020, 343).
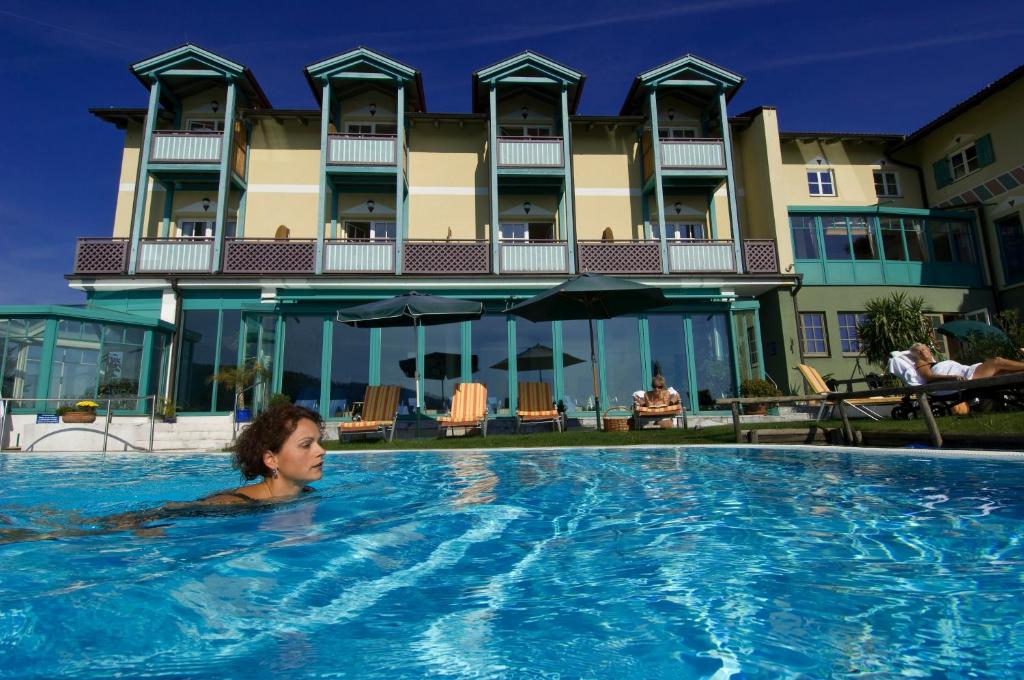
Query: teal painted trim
(658, 185)
(687, 83)
(223, 187)
(712, 216)
(334, 214)
(374, 377)
(645, 207)
(216, 359)
(557, 348)
(644, 331)
(325, 116)
(147, 360)
(342, 170)
(360, 75)
(492, 152)
(400, 223)
(878, 210)
(689, 62)
(325, 367)
(165, 227)
(567, 187)
(360, 55)
(555, 172)
(179, 170)
(191, 73)
(240, 226)
(599, 355)
(530, 80)
(466, 348)
(83, 313)
(734, 220)
(161, 62)
(513, 367)
(734, 348)
(277, 378)
(46, 358)
(142, 179)
(757, 344)
(691, 366)
(508, 67)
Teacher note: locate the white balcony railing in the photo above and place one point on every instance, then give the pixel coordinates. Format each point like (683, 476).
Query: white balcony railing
(362, 149)
(186, 147)
(175, 255)
(530, 152)
(693, 153)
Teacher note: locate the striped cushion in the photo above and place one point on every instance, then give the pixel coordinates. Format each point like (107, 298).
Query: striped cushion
(658, 410)
(537, 415)
(534, 397)
(469, 403)
(448, 422)
(813, 378)
(359, 425)
(380, 402)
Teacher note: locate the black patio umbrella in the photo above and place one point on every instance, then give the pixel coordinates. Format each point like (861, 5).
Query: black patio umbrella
(411, 309)
(538, 358)
(590, 296)
(439, 366)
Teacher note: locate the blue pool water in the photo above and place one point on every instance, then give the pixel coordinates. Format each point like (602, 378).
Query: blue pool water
(642, 563)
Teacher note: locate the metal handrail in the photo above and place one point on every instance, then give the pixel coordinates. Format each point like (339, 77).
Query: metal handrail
(5, 402)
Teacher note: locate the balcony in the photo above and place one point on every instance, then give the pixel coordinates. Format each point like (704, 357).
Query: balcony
(446, 257)
(174, 256)
(101, 256)
(173, 146)
(533, 257)
(692, 154)
(701, 257)
(351, 149)
(529, 152)
(359, 256)
(269, 256)
(620, 257)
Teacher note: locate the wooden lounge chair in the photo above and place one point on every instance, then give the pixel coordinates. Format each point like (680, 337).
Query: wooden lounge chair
(535, 405)
(818, 386)
(469, 408)
(642, 414)
(380, 410)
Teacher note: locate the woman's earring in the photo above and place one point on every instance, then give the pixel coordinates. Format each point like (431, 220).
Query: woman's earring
(275, 473)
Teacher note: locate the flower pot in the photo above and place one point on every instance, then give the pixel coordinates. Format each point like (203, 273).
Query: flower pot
(79, 417)
(755, 409)
(170, 420)
(243, 415)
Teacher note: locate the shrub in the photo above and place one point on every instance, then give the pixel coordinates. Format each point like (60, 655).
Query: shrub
(894, 322)
(278, 399)
(758, 388)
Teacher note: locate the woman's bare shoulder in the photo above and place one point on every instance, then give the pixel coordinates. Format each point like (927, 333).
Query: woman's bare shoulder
(243, 495)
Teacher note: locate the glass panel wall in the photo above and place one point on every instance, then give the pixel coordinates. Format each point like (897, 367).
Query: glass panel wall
(228, 357)
(712, 359)
(75, 372)
(198, 360)
(120, 365)
(489, 340)
(442, 365)
(805, 237)
(622, 365)
(22, 353)
(749, 359)
(398, 345)
(350, 368)
(668, 353)
(578, 381)
(301, 360)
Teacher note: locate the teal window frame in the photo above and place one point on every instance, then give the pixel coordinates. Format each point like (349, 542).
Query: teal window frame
(1013, 272)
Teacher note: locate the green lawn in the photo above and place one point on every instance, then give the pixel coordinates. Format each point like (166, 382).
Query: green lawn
(990, 423)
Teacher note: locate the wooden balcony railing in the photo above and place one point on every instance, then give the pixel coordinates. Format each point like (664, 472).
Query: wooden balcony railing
(176, 255)
(101, 256)
(178, 146)
(446, 257)
(533, 257)
(529, 152)
(760, 256)
(353, 149)
(620, 257)
(269, 256)
(359, 256)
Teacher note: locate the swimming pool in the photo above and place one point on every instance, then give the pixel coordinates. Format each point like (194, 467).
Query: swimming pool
(598, 563)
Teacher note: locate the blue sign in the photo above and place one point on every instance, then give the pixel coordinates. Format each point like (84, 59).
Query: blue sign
(47, 418)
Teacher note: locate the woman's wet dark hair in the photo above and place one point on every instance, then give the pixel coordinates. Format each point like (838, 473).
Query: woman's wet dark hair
(268, 432)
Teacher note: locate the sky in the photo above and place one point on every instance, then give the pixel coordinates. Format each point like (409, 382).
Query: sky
(826, 65)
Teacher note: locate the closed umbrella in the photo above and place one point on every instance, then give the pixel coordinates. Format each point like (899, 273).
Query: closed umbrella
(591, 296)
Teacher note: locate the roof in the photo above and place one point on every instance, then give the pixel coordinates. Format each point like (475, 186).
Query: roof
(360, 57)
(528, 61)
(122, 116)
(883, 137)
(969, 103)
(173, 59)
(727, 80)
(84, 312)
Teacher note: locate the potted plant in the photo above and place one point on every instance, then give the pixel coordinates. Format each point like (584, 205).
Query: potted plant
(167, 410)
(755, 387)
(83, 412)
(241, 378)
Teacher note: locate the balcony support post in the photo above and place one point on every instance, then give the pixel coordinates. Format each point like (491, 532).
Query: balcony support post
(712, 217)
(325, 119)
(224, 183)
(165, 226)
(734, 222)
(659, 192)
(567, 189)
(492, 145)
(142, 181)
(400, 174)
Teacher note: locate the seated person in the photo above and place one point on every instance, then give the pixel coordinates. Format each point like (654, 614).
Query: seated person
(932, 370)
(658, 395)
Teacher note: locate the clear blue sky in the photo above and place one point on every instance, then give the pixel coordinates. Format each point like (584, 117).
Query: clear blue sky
(828, 65)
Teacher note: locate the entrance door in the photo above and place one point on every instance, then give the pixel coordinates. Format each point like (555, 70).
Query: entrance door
(260, 344)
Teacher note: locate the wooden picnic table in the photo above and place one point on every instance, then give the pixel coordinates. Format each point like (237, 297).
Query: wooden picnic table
(919, 392)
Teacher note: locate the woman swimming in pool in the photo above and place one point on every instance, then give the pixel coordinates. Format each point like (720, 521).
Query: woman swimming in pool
(282, 445)
(932, 370)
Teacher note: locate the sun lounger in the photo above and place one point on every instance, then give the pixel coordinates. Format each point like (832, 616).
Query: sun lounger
(864, 405)
(380, 410)
(642, 413)
(469, 408)
(535, 405)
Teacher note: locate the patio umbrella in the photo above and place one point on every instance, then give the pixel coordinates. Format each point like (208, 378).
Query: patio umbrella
(412, 309)
(439, 366)
(590, 296)
(538, 358)
(962, 329)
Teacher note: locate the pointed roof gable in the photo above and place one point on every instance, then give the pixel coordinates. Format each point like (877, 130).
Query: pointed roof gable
(526, 64)
(363, 60)
(686, 67)
(168, 67)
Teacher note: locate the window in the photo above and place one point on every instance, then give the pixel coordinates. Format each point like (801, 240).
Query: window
(1011, 242)
(680, 231)
(527, 231)
(203, 229)
(886, 184)
(371, 128)
(978, 315)
(819, 183)
(849, 322)
(373, 231)
(805, 237)
(813, 341)
(525, 131)
(964, 162)
(677, 132)
(206, 125)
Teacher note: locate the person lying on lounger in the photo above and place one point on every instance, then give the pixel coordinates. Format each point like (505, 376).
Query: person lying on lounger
(659, 395)
(932, 370)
